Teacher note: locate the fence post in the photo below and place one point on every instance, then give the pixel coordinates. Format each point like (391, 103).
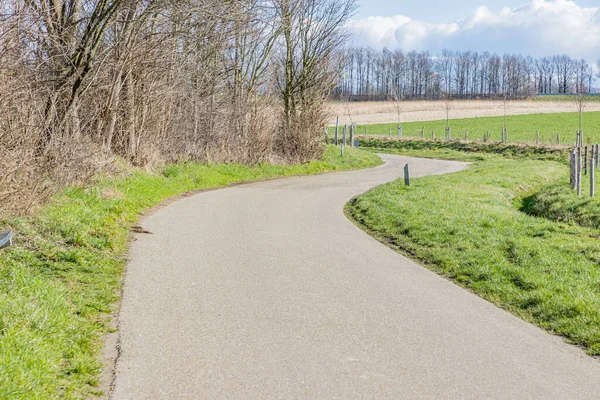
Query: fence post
(537, 138)
(448, 133)
(585, 161)
(390, 132)
(337, 124)
(597, 158)
(592, 183)
(406, 175)
(423, 132)
(573, 169)
(579, 171)
(351, 134)
(400, 131)
(432, 135)
(343, 147)
(467, 135)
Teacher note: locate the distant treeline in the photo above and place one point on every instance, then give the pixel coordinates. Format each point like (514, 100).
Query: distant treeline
(369, 74)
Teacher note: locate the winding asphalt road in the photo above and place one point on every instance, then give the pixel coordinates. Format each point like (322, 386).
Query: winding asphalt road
(267, 291)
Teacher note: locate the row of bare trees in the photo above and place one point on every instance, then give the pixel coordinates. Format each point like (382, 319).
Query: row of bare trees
(386, 74)
(87, 81)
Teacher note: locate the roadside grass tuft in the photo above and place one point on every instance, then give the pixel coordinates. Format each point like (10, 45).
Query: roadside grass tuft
(60, 282)
(468, 227)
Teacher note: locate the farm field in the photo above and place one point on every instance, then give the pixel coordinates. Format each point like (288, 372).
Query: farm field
(521, 128)
(475, 228)
(380, 112)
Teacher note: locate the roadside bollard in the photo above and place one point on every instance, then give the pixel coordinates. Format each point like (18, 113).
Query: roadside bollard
(406, 175)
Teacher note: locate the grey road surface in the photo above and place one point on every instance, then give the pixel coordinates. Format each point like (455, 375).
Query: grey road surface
(267, 291)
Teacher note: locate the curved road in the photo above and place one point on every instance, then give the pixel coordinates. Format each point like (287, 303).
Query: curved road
(267, 291)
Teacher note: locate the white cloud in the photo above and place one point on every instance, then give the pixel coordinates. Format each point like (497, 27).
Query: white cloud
(538, 28)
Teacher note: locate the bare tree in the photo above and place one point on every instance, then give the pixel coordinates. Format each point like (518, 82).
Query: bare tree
(313, 35)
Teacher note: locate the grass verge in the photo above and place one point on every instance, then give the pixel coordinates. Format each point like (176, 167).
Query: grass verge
(435, 148)
(61, 280)
(521, 128)
(468, 227)
(558, 202)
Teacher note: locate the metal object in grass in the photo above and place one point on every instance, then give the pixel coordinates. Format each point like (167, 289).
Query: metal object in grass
(6, 239)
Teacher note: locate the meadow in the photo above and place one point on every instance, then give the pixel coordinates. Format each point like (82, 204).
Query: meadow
(521, 128)
(508, 228)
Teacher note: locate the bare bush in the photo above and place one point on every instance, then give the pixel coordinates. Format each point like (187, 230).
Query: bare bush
(155, 81)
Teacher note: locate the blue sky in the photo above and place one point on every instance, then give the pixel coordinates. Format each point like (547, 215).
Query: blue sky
(440, 11)
(529, 27)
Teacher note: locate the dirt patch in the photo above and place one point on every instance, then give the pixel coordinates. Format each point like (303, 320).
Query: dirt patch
(380, 112)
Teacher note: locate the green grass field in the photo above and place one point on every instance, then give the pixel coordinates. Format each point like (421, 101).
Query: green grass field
(521, 128)
(61, 280)
(470, 227)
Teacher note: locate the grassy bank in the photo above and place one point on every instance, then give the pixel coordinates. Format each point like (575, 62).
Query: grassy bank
(521, 128)
(558, 202)
(61, 280)
(468, 227)
(435, 148)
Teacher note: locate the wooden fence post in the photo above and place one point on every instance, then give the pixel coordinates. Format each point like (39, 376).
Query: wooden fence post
(579, 159)
(585, 161)
(351, 134)
(432, 135)
(343, 147)
(337, 123)
(573, 169)
(592, 183)
(423, 132)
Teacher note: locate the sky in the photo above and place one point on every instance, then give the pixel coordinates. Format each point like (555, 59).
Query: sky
(528, 27)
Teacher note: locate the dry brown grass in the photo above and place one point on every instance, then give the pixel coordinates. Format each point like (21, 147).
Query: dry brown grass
(386, 111)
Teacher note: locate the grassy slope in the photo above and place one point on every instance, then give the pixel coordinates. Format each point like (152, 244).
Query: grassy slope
(521, 128)
(63, 276)
(468, 227)
(436, 147)
(558, 202)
